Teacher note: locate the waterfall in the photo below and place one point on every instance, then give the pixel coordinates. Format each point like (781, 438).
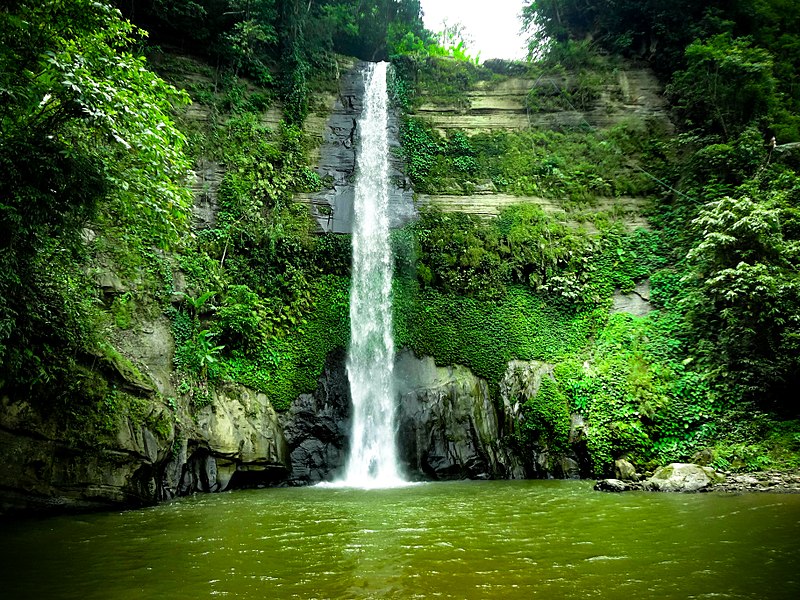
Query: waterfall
(370, 360)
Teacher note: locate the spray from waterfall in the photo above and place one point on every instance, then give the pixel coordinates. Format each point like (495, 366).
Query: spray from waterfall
(370, 360)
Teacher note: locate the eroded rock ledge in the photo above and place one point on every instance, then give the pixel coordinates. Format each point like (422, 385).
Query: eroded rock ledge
(449, 427)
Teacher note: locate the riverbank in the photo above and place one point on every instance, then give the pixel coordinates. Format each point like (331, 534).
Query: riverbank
(686, 477)
(760, 481)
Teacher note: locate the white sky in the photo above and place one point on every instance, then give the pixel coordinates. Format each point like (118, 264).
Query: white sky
(492, 25)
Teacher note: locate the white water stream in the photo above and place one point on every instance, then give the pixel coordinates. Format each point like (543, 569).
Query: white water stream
(370, 360)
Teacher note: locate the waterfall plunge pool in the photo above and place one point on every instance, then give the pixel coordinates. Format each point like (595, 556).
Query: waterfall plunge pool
(496, 539)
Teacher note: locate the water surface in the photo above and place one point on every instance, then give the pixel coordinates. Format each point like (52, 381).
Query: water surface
(524, 539)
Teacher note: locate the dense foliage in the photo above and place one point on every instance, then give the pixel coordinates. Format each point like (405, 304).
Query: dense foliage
(85, 127)
(98, 240)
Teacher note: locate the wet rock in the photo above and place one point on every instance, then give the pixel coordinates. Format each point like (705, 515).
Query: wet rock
(316, 427)
(567, 468)
(615, 485)
(448, 427)
(338, 135)
(682, 477)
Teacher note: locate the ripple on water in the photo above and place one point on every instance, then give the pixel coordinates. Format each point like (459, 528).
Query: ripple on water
(549, 539)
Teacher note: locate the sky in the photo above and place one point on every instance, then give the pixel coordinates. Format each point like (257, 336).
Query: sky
(492, 25)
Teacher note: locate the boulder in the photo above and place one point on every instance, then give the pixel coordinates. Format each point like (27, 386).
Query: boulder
(615, 485)
(624, 470)
(682, 477)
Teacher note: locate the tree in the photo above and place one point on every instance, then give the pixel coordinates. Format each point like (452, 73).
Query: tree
(727, 84)
(83, 124)
(744, 302)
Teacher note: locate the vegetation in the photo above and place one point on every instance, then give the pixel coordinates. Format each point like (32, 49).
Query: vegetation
(720, 260)
(98, 236)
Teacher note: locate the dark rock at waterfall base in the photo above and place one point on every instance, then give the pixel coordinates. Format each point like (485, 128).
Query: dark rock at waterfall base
(317, 426)
(448, 426)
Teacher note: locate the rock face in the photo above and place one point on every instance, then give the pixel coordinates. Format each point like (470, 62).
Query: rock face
(236, 442)
(636, 92)
(633, 95)
(448, 427)
(521, 383)
(43, 470)
(205, 186)
(332, 207)
(637, 303)
(682, 477)
(317, 426)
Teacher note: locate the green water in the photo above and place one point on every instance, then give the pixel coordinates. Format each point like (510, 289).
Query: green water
(527, 539)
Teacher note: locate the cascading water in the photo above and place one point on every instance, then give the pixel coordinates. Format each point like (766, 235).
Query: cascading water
(370, 360)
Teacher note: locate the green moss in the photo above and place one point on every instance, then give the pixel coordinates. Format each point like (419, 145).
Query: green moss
(485, 335)
(546, 416)
(285, 366)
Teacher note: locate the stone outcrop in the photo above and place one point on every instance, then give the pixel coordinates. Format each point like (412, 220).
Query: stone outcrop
(448, 427)
(633, 95)
(43, 470)
(520, 384)
(316, 427)
(234, 442)
(338, 137)
(634, 92)
(487, 204)
(636, 303)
